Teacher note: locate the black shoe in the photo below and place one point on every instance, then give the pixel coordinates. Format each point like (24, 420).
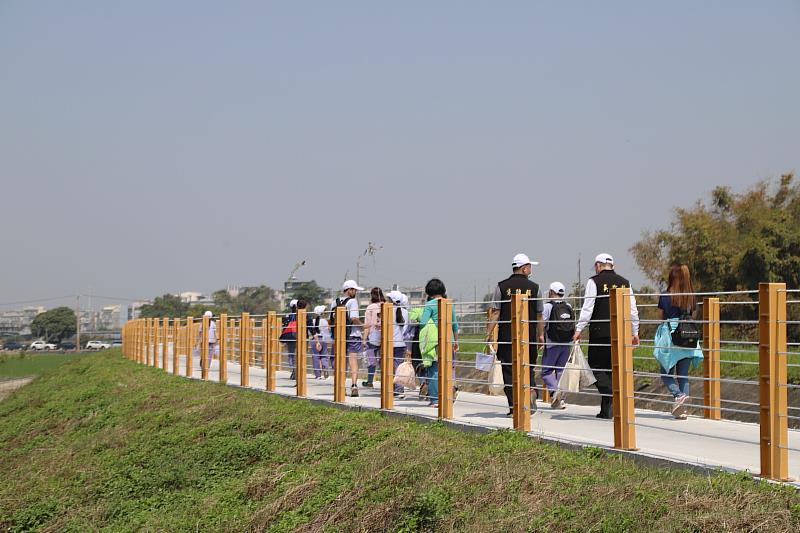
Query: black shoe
(510, 412)
(603, 416)
(354, 392)
(292, 376)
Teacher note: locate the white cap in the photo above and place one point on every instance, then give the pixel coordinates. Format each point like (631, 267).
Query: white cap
(351, 284)
(293, 303)
(604, 258)
(395, 296)
(404, 299)
(208, 314)
(522, 260)
(318, 310)
(558, 288)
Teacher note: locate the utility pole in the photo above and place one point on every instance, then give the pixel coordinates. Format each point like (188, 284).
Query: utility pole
(78, 323)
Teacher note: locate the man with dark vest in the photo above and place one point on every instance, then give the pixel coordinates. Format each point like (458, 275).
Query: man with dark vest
(596, 312)
(517, 283)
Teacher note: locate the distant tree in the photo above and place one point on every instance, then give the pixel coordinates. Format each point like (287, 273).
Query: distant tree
(168, 305)
(311, 292)
(55, 324)
(732, 242)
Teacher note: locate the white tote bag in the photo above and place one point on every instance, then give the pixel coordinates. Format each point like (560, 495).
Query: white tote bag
(571, 376)
(405, 376)
(496, 384)
(587, 376)
(484, 361)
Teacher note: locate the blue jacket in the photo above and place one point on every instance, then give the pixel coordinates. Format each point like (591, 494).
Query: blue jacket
(666, 353)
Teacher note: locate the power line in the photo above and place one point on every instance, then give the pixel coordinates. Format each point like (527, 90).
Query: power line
(40, 300)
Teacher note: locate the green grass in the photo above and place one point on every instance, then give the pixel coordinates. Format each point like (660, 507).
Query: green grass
(101, 443)
(14, 365)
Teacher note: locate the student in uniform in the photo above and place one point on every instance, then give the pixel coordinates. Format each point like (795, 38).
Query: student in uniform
(320, 339)
(559, 329)
(398, 329)
(372, 333)
(435, 290)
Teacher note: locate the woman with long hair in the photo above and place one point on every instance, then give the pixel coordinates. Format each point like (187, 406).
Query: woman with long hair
(678, 303)
(372, 332)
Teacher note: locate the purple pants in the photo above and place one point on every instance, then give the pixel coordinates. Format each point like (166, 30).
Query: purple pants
(319, 359)
(553, 361)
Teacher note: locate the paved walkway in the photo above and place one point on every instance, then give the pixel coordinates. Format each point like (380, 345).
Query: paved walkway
(719, 444)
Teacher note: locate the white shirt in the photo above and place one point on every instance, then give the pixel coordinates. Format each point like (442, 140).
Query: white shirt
(352, 312)
(324, 329)
(212, 332)
(589, 298)
(398, 329)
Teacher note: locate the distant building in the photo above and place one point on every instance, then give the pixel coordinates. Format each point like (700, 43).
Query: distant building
(18, 321)
(108, 317)
(135, 309)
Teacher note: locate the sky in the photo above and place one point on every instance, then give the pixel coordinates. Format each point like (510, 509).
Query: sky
(152, 147)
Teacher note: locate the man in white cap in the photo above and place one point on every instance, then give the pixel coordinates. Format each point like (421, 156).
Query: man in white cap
(353, 342)
(500, 317)
(596, 312)
(212, 337)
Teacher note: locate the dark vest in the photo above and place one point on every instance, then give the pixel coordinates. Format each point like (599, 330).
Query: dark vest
(516, 284)
(604, 281)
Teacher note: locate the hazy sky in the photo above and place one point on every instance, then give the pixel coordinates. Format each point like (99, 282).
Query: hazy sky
(151, 147)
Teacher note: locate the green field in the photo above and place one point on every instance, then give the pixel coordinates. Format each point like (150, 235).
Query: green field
(101, 443)
(19, 364)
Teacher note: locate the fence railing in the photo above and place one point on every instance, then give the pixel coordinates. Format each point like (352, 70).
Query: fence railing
(253, 341)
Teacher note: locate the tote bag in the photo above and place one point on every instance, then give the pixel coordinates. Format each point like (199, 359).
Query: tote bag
(496, 384)
(405, 376)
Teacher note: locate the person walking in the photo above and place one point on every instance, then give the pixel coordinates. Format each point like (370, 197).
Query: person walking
(354, 341)
(212, 337)
(372, 333)
(559, 328)
(320, 339)
(596, 313)
(289, 335)
(435, 290)
(500, 317)
(398, 338)
(677, 304)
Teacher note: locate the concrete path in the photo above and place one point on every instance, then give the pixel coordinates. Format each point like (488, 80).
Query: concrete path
(719, 444)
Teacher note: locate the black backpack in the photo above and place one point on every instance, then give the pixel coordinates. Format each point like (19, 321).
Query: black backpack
(332, 322)
(561, 324)
(687, 334)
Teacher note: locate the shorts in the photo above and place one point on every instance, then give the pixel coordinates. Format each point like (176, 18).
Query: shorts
(354, 345)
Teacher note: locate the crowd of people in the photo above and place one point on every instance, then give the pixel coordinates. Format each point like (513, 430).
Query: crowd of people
(554, 328)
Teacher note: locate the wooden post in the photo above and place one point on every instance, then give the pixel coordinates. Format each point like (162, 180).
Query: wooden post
(204, 349)
(176, 329)
(266, 338)
(222, 338)
(339, 355)
(772, 370)
(189, 345)
(520, 363)
(387, 356)
(273, 349)
(711, 357)
(301, 354)
(244, 349)
(165, 344)
(622, 369)
(445, 358)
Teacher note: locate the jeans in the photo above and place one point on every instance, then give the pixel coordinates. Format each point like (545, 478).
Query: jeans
(682, 386)
(432, 376)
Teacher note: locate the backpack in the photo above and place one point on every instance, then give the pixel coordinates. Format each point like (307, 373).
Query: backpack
(561, 325)
(332, 322)
(289, 331)
(687, 334)
(314, 330)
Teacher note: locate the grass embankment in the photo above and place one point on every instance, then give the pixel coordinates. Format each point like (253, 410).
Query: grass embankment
(103, 443)
(19, 364)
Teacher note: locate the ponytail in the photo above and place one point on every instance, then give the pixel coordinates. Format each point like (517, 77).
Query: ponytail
(398, 316)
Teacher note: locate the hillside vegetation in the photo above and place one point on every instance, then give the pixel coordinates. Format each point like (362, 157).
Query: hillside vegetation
(102, 443)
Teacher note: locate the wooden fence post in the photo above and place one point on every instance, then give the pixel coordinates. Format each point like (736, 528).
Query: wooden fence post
(339, 354)
(387, 356)
(622, 369)
(520, 363)
(204, 349)
(189, 345)
(711, 357)
(244, 349)
(222, 339)
(176, 341)
(772, 370)
(301, 354)
(273, 349)
(165, 344)
(445, 358)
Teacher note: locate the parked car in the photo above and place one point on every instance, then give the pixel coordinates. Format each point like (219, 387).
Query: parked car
(67, 345)
(41, 345)
(13, 345)
(97, 345)
(116, 344)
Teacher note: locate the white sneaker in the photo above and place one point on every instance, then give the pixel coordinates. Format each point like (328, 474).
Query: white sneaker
(677, 407)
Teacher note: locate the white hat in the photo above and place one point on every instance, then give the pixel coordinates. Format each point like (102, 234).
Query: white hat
(208, 314)
(404, 300)
(351, 284)
(293, 303)
(558, 288)
(604, 258)
(522, 260)
(318, 310)
(395, 296)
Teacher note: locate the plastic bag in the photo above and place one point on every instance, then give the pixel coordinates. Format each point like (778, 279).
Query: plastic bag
(496, 384)
(484, 361)
(587, 378)
(577, 372)
(404, 376)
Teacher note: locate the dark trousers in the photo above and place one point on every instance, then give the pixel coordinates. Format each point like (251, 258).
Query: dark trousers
(600, 361)
(504, 356)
